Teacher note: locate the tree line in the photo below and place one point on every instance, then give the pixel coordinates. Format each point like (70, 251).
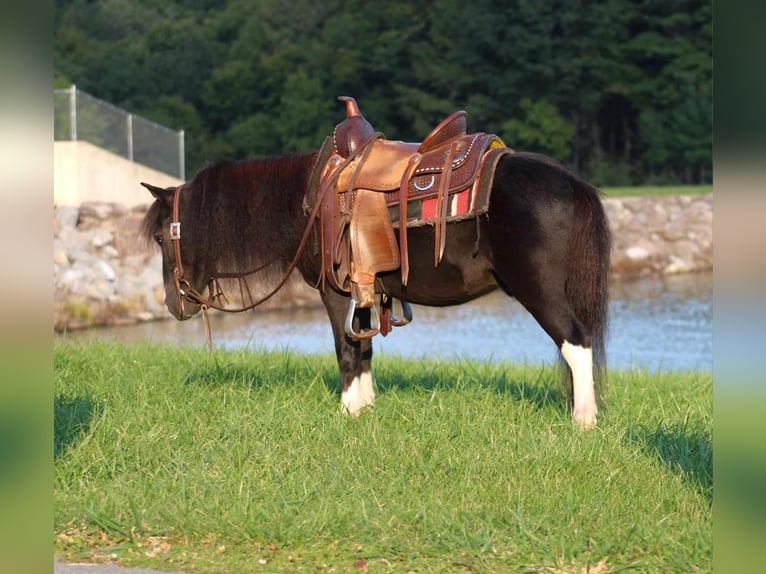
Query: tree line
(619, 90)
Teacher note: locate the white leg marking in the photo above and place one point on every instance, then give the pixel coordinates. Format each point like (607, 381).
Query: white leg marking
(359, 395)
(580, 360)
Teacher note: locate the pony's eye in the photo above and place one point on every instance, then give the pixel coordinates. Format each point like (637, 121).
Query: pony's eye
(158, 238)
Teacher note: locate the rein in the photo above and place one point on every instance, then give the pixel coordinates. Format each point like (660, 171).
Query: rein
(187, 292)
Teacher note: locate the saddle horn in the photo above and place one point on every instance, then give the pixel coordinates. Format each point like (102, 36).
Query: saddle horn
(352, 132)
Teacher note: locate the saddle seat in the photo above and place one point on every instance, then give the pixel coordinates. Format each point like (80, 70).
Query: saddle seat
(366, 176)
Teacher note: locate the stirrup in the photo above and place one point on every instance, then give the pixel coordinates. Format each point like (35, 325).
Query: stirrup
(363, 334)
(406, 312)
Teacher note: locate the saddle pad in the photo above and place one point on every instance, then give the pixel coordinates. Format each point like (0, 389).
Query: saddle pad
(423, 211)
(427, 179)
(466, 204)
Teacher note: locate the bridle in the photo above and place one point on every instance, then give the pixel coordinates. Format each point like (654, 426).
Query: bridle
(184, 288)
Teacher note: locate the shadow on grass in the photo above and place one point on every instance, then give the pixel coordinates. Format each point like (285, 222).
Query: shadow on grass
(545, 392)
(72, 418)
(687, 451)
(283, 368)
(224, 375)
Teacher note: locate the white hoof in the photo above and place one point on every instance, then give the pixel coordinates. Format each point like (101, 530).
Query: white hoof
(359, 397)
(586, 418)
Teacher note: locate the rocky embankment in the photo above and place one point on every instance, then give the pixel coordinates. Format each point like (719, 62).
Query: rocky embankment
(661, 235)
(104, 273)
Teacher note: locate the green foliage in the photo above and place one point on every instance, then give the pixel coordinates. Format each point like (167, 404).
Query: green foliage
(302, 98)
(539, 128)
(622, 82)
(606, 173)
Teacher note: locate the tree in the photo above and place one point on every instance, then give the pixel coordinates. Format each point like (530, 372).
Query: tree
(540, 129)
(304, 113)
(623, 85)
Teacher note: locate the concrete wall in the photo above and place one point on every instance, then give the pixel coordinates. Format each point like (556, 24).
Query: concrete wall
(84, 172)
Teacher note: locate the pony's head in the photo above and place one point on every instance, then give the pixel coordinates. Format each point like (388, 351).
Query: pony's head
(183, 275)
(237, 225)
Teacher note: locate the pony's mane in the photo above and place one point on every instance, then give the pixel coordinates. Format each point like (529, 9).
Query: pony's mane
(238, 216)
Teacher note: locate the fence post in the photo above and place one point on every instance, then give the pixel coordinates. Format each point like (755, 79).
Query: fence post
(129, 119)
(181, 154)
(73, 112)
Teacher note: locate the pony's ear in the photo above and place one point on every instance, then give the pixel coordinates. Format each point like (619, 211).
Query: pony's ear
(163, 194)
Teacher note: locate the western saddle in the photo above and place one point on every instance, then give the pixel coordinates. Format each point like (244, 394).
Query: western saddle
(364, 180)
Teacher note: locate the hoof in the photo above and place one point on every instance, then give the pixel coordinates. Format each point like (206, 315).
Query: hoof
(359, 397)
(356, 411)
(585, 418)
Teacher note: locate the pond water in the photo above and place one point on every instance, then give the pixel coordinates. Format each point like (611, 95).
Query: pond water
(655, 324)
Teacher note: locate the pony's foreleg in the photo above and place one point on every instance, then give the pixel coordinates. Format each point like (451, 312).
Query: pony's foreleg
(358, 393)
(354, 359)
(580, 361)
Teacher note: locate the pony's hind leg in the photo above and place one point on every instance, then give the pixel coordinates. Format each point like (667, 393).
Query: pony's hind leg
(549, 238)
(354, 359)
(574, 342)
(580, 361)
(549, 306)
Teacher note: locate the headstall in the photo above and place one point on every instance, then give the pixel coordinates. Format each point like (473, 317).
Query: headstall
(184, 288)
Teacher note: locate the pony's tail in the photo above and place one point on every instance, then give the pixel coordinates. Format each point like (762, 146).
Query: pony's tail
(587, 286)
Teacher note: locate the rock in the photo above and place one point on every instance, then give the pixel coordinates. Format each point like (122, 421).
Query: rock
(68, 280)
(106, 270)
(102, 237)
(67, 216)
(672, 232)
(665, 227)
(128, 239)
(637, 253)
(109, 251)
(97, 210)
(60, 258)
(677, 265)
(659, 211)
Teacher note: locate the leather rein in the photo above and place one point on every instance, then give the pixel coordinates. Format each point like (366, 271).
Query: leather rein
(187, 292)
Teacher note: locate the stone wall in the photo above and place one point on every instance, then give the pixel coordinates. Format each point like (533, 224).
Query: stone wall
(104, 274)
(661, 234)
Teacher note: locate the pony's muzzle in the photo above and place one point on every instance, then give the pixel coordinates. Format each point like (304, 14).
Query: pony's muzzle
(178, 302)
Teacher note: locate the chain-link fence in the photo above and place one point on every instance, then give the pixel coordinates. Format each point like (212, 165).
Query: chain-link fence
(79, 116)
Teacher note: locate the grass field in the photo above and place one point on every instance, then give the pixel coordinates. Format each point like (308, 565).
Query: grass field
(647, 190)
(241, 462)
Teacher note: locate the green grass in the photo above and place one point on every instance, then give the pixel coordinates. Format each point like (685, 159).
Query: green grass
(647, 190)
(241, 462)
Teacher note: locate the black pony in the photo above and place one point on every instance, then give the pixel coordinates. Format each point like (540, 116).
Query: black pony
(545, 241)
